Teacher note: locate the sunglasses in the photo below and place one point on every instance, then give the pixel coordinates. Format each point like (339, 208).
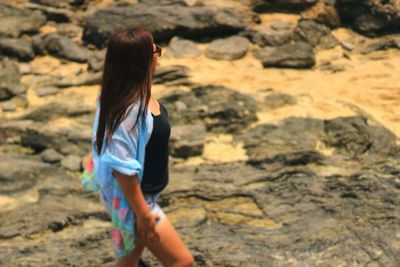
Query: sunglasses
(158, 50)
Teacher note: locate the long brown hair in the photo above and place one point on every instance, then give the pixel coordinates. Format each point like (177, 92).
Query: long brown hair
(126, 77)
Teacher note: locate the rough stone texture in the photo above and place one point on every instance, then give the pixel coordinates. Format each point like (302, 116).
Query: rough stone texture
(55, 14)
(314, 33)
(273, 34)
(187, 140)
(172, 75)
(10, 79)
(221, 109)
(294, 140)
(163, 21)
(61, 46)
(323, 13)
(370, 17)
(230, 48)
(15, 20)
(281, 5)
(181, 48)
(72, 163)
(292, 55)
(17, 48)
(40, 136)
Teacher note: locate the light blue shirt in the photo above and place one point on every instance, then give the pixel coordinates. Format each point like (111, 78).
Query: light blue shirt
(125, 153)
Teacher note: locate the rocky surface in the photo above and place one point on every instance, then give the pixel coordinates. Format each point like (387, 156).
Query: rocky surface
(284, 145)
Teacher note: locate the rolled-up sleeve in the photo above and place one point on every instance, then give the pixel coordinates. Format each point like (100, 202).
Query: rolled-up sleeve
(121, 152)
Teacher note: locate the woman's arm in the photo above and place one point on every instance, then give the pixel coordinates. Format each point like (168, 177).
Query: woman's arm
(132, 191)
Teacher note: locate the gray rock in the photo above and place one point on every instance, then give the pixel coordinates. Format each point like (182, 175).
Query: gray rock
(187, 140)
(315, 33)
(55, 110)
(15, 20)
(10, 79)
(52, 14)
(172, 75)
(293, 55)
(370, 17)
(17, 48)
(56, 4)
(230, 48)
(164, 2)
(61, 46)
(294, 141)
(181, 48)
(383, 44)
(323, 13)
(221, 109)
(163, 21)
(40, 136)
(85, 79)
(69, 30)
(262, 6)
(277, 100)
(273, 34)
(72, 163)
(8, 106)
(51, 156)
(19, 172)
(97, 60)
(44, 91)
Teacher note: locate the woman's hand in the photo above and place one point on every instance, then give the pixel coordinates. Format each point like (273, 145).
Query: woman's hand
(146, 227)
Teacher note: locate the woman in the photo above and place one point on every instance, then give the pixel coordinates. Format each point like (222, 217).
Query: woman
(130, 153)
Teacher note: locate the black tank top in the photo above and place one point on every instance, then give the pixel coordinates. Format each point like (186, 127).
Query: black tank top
(155, 174)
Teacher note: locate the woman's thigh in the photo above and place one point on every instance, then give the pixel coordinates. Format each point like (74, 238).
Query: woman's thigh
(170, 249)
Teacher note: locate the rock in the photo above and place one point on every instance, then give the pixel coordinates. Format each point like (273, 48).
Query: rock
(230, 48)
(8, 106)
(293, 55)
(187, 140)
(10, 79)
(55, 110)
(221, 109)
(52, 14)
(355, 137)
(51, 156)
(19, 172)
(172, 75)
(383, 44)
(277, 100)
(72, 163)
(51, 3)
(85, 79)
(163, 21)
(262, 6)
(69, 30)
(370, 17)
(44, 91)
(181, 48)
(62, 47)
(164, 2)
(17, 48)
(40, 136)
(314, 33)
(294, 141)
(324, 14)
(97, 60)
(273, 34)
(15, 20)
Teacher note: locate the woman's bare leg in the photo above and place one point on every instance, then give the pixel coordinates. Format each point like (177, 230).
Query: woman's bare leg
(170, 250)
